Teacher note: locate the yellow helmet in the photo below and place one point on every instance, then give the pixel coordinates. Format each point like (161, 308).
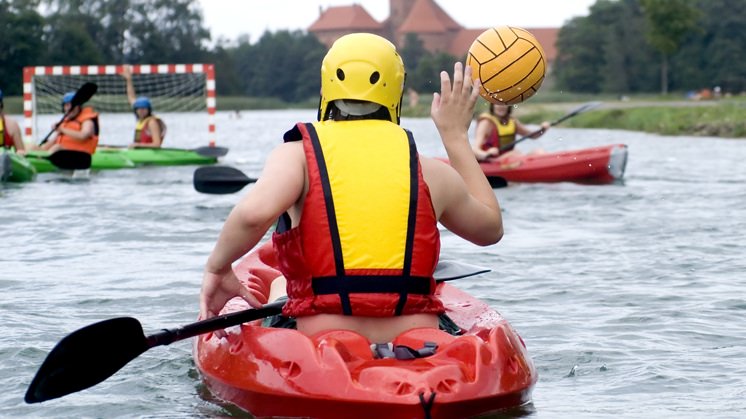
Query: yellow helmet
(363, 67)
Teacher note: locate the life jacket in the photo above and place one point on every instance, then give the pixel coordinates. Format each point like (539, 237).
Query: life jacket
(367, 242)
(142, 132)
(69, 143)
(7, 140)
(501, 134)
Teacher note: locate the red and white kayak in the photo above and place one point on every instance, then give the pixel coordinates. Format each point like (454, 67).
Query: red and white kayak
(273, 372)
(596, 165)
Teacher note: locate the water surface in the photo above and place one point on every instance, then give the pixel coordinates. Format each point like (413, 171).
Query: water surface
(630, 297)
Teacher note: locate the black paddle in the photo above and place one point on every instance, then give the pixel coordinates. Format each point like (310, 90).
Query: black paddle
(86, 91)
(497, 182)
(578, 110)
(94, 353)
(220, 180)
(211, 151)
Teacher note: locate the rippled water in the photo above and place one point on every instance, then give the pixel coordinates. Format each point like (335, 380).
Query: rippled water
(630, 297)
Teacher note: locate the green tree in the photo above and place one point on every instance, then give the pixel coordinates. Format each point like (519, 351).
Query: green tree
(283, 64)
(69, 43)
(669, 22)
(166, 31)
(412, 51)
(426, 77)
(21, 43)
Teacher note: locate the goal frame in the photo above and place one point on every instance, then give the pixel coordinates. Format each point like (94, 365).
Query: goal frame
(29, 117)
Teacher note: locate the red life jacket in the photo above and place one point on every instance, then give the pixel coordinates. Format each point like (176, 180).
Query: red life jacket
(367, 242)
(500, 135)
(89, 145)
(7, 140)
(142, 130)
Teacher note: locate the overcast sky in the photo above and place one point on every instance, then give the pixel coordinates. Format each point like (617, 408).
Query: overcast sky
(231, 18)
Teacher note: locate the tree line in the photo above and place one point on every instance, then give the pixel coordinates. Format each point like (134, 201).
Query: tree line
(622, 46)
(282, 64)
(638, 46)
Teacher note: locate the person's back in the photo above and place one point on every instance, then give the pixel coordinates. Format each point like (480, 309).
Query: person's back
(362, 206)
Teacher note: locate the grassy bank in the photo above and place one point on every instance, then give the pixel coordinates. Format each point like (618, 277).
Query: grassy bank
(714, 119)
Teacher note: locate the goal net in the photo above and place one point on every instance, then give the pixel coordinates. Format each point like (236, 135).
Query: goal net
(183, 95)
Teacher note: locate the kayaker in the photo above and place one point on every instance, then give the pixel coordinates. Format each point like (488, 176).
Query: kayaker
(498, 128)
(10, 132)
(358, 238)
(150, 130)
(78, 131)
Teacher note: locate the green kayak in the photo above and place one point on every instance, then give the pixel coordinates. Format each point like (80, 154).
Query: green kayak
(161, 156)
(15, 168)
(100, 161)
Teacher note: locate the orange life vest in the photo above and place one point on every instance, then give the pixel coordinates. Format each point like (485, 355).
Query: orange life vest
(88, 145)
(367, 242)
(500, 135)
(142, 130)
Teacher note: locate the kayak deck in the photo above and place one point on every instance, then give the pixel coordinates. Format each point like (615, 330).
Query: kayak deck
(596, 165)
(274, 372)
(99, 161)
(160, 156)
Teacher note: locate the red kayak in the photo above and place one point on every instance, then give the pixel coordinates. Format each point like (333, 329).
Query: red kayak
(273, 372)
(597, 165)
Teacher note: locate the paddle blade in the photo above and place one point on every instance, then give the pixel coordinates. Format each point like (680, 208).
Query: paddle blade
(497, 182)
(211, 151)
(448, 270)
(70, 160)
(84, 94)
(87, 357)
(220, 180)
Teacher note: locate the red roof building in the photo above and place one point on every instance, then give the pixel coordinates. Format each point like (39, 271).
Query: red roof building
(425, 18)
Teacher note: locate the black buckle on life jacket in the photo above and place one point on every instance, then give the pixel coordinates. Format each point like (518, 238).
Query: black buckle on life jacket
(403, 352)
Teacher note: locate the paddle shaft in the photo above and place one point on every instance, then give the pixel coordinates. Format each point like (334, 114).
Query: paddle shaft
(577, 111)
(168, 336)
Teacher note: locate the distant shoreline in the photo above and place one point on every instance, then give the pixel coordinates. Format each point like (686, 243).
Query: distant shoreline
(712, 118)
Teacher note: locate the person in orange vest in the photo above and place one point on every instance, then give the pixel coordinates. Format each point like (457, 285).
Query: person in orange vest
(10, 132)
(150, 130)
(498, 129)
(358, 207)
(78, 131)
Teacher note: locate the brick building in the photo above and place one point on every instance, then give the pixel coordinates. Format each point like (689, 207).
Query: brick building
(433, 26)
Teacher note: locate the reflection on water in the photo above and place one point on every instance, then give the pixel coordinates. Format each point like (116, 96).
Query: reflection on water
(629, 296)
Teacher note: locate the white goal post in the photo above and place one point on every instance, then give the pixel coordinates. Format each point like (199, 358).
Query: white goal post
(171, 88)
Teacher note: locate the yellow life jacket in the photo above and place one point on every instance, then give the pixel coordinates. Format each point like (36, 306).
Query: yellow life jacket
(501, 134)
(367, 242)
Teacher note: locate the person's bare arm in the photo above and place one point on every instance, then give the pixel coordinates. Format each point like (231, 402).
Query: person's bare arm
(468, 203)
(521, 129)
(127, 74)
(279, 187)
